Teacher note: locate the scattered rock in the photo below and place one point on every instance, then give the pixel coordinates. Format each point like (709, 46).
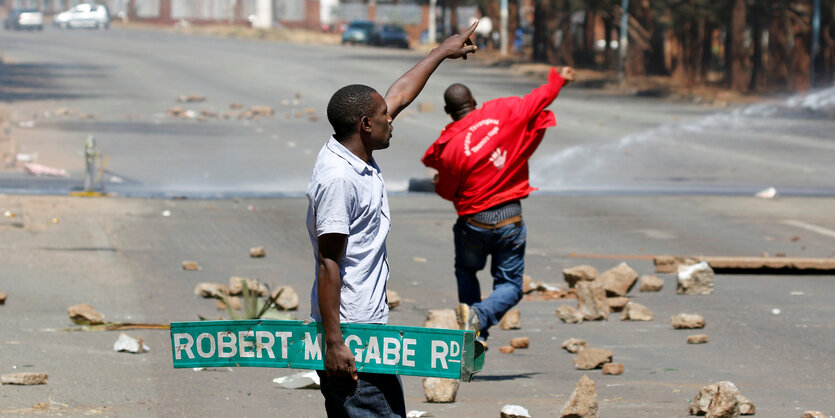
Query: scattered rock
(25, 379)
(636, 312)
(426, 107)
(569, 315)
(210, 290)
(191, 266)
(696, 279)
(651, 283)
(84, 314)
(670, 264)
(2, 298)
(393, 299)
(176, 112)
(814, 414)
(721, 400)
(616, 304)
(128, 344)
(521, 342)
(288, 299)
(573, 345)
(697, 339)
(236, 287)
(511, 320)
(613, 368)
(191, 98)
(302, 380)
(688, 321)
(439, 390)
(234, 301)
(441, 318)
(514, 411)
(618, 280)
(257, 252)
(262, 111)
(591, 301)
(583, 401)
(592, 358)
(418, 414)
(576, 274)
(527, 284)
(236, 106)
(506, 349)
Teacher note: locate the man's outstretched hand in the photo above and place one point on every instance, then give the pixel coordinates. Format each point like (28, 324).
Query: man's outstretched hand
(459, 45)
(568, 74)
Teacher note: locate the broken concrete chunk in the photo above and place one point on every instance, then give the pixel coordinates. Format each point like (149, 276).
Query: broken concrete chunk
(697, 339)
(670, 264)
(813, 414)
(209, 290)
(128, 344)
(618, 280)
(236, 106)
(235, 286)
(288, 299)
(191, 266)
(613, 368)
(688, 321)
(721, 400)
(191, 98)
(569, 315)
(514, 411)
(84, 314)
(651, 283)
(262, 110)
(521, 342)
(616, 304)
(746, 407)
(439, 390)
(696, 279)
(506, 349)
(25, 379)
(583, 401)
(592, 358)
(441, 318)
(176, 112)
(234, 301)
(257, 252)
(527, 284)
(573, 345)
(418, 414)
(393, 299)
(511, 320)
(591, 301)
(303, 380)
(636, 312)
(576, 274)
(2, 298)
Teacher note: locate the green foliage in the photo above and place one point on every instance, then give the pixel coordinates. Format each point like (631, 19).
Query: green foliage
(254, 307)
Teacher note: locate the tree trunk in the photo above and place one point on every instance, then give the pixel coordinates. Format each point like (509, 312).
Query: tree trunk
(565, 54)
(757, 59)
(800, 64)
(637, 56)
(778, 47)
(737, 44)
(542, 39)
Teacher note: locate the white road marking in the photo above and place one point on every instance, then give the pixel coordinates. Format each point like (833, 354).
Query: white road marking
(809, 227)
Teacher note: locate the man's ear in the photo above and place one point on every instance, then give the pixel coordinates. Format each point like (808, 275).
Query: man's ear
(365, 124)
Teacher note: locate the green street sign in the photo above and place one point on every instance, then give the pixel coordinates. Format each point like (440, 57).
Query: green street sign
(385, 349)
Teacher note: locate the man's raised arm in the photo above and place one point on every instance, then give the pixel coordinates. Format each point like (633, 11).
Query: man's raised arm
(409, 85)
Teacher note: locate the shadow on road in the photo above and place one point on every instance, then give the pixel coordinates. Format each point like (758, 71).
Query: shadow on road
(20, 82)
(499, 378)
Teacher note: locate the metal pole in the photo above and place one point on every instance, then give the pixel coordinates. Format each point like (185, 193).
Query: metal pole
(433, 4)
(815, 47)
(624, 39)
(503, 27)
(90, 154)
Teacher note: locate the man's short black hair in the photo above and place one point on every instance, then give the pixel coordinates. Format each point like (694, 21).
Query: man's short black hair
(347, 107)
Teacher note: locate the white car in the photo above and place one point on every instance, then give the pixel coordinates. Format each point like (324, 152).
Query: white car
(83, 16)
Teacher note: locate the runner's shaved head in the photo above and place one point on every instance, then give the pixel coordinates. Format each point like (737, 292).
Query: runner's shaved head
(457, 96)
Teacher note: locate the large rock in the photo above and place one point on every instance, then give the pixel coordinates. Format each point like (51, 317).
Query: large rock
(721, 400)
(576, 274)
(617, 303)
(651, 283)
(591, 301)
(441, 318)
(569, 314)
(26, 379)
(257, 252)
(190, 265)
(2, 298)
(688, 321)
(288, 299)
(84, 314)
(636, 312)
(521, 342)
(393, 299)
(209, 290)
(592, 358)
(439, 390)
(696, 279)
(236, 286)
(697, 339)
(583, 401)
(613, 368)
(618, 280)
(514, 411)
(511, 320)
(527, 284)
(573, 345)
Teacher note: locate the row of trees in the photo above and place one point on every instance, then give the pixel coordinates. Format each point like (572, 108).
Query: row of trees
(747, 45)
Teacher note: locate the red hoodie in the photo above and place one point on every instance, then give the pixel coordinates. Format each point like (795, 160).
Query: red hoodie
(482, 159)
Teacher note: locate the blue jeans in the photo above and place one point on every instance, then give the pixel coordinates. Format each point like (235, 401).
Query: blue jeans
(372, 395)
(506, 248)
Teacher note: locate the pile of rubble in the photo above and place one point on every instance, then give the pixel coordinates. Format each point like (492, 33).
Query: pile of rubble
(238, 111)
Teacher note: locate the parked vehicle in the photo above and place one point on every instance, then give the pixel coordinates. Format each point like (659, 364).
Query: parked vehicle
(83, 16)
(18, 19)
(390, 35)
(358, 32)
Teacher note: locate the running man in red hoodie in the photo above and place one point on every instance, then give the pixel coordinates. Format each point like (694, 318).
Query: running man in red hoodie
(482, 162)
